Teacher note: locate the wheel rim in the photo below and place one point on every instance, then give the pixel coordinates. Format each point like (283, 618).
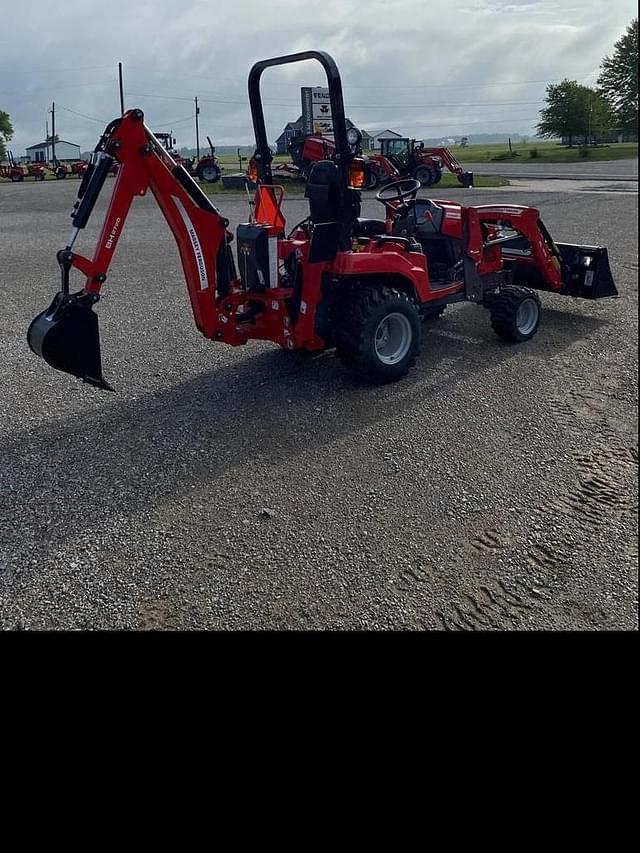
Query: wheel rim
(527, 316)
(209, 173)
(425, 176)
(393, 338)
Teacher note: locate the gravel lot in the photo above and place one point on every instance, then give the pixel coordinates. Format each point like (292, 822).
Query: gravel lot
(249, 488)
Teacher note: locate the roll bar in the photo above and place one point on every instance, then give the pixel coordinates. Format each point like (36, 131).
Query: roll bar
(263, 152)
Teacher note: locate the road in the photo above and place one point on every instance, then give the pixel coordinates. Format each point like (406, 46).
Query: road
(493, 489)
(612, 170)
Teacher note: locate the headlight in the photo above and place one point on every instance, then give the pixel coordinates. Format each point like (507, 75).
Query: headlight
(353, 136)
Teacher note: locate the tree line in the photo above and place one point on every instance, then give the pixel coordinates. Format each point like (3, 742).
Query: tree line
(581, 113)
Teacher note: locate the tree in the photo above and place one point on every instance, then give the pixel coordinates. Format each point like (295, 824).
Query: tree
(6, 132)
(618, 80)
(567, 111)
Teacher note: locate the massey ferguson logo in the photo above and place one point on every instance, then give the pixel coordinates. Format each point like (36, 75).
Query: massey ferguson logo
(114, 231)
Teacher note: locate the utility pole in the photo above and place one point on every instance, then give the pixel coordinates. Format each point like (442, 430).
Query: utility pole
(46, 138)
(121, 88)
(197, 130)
(53, 134)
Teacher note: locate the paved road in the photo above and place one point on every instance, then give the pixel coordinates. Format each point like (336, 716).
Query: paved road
(614, 170)
(495, 488)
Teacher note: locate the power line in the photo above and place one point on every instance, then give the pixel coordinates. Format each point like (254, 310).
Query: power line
(82, 115)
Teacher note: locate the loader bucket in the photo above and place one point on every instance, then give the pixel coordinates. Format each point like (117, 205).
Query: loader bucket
(66, 336)
(586, 271)
(466, 179)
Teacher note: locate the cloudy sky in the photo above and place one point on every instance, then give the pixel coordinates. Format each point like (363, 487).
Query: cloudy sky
(422, 67)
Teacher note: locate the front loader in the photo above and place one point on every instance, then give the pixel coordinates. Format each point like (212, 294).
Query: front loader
(336, 280)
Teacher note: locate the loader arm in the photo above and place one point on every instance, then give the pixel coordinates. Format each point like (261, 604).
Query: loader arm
(64, 334)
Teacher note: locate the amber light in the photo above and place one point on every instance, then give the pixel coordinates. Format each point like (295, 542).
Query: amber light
(357, 178)
(252, 171)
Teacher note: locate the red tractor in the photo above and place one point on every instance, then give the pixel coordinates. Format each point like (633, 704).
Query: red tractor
(17, 172)
(205, 169)
(360, 285)
(402, 157)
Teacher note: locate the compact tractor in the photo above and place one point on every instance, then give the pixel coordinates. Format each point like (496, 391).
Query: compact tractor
(17, 172)
(206, 168)
(336, 279)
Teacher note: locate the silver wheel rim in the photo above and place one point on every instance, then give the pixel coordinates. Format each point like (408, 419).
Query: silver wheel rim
(209, 173)
(527, 316)
(393, 338)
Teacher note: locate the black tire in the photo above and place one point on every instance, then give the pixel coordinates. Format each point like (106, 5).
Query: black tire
(515, 313)
(374, 181)
(371, 313)
(16, 178)
(208, 172)
(437, 177)
(425, 174)
(431, 314)
(61, 174)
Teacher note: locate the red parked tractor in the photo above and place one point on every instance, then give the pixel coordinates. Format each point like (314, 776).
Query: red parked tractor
(206, 168)
(402, 157)
(17, 172)
(336, 279)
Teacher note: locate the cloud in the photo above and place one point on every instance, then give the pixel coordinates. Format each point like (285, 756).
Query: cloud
(427, 69)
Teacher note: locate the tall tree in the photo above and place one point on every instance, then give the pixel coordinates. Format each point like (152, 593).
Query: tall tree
(6, 132)
(566, 112)
(618, 79)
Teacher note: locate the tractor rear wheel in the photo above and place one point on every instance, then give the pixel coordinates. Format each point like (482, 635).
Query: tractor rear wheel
(515, 313)
(379, 338)
(374, 180)
(208, 172)
(426, 175)
(16, 178)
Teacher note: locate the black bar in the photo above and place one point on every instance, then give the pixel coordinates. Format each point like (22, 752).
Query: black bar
(343, 152)
(80, 215)
(195, 193)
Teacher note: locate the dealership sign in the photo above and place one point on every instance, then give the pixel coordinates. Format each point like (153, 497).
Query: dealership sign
(316, 110)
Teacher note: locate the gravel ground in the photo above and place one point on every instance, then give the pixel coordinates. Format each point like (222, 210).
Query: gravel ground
(250, 488)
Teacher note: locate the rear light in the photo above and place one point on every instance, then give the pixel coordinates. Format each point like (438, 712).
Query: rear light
(252, 170)
(357, 174)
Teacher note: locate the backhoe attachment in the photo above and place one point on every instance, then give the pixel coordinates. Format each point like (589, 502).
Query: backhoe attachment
(66, 334)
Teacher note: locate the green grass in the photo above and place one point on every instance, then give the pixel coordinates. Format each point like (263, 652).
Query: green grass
(548, 152)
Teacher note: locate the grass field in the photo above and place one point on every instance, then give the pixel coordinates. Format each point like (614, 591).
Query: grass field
(547, 152)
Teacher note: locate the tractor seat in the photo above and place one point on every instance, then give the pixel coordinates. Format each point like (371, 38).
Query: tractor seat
(369, 227)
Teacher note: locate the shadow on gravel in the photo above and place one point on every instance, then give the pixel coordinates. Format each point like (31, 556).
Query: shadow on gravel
(70, 475)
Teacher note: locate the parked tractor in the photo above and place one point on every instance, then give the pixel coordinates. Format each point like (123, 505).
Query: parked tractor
(337, 280)
(17, 172)
(402, 158)
(205, 169)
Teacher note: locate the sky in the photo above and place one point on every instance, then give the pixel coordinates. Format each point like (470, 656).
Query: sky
(424, 68)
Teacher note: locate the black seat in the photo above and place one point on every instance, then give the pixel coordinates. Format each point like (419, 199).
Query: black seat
(369, 227)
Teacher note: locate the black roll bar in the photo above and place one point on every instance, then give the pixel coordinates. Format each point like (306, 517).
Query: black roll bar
(263, 152)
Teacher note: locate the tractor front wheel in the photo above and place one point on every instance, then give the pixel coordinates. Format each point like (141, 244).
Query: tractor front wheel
(380, 335)
(515, 313)
(16, 178)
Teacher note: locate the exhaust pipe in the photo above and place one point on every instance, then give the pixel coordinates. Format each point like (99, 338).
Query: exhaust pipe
(66, 336)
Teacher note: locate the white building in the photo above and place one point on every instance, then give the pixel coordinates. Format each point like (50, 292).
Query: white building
(42, 152)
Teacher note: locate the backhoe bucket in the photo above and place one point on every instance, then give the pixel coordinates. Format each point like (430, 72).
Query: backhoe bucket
(66, 336)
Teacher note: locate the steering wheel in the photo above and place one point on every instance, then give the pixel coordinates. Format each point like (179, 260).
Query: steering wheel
(395, 192)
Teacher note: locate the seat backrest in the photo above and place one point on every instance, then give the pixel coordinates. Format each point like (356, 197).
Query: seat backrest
(323, 192)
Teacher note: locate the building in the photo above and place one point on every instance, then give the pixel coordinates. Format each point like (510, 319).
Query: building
(42, 152)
